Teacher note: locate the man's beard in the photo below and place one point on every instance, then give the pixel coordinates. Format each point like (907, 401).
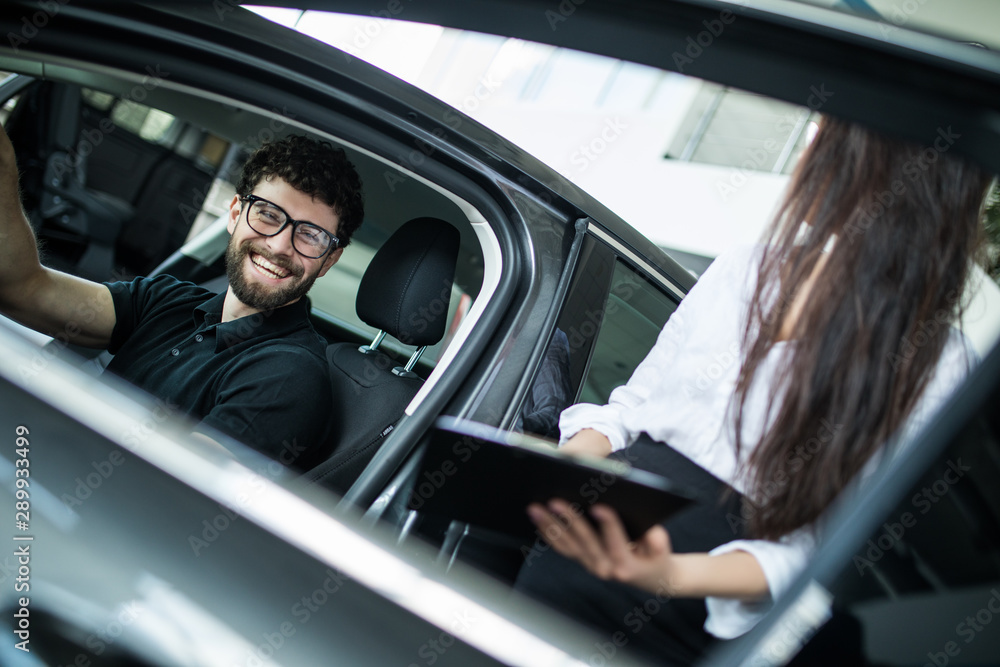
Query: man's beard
(256, 295)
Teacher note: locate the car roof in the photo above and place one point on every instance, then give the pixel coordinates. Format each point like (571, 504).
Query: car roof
(906, 82)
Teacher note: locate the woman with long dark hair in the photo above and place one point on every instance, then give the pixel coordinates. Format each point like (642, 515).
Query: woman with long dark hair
(826, 341)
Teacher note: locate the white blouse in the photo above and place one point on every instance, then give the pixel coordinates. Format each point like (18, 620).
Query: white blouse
(681, 394)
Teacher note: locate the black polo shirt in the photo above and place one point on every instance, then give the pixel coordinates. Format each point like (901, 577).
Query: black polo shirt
(261, 379)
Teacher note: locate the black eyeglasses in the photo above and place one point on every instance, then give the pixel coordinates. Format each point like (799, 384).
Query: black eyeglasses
(269, 219)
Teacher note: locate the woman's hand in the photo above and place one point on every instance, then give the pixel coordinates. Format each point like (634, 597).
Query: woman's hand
(649, 563)
(607, 552)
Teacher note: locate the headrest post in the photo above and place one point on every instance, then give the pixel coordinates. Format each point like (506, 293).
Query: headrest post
(407, 371)
(368, 349)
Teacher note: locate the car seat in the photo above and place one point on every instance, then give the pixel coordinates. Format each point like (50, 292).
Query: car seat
(404, 293)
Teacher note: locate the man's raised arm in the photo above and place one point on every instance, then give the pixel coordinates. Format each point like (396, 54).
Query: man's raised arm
(53, 303)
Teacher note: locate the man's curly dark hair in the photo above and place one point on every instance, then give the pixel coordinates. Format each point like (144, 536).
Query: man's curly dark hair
(315, 168)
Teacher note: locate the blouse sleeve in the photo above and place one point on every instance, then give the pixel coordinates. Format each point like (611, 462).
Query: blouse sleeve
(781, 562)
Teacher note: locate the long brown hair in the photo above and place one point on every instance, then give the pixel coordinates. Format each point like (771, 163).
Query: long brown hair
(905, 220)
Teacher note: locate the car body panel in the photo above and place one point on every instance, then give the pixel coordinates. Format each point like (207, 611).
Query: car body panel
(124, 557)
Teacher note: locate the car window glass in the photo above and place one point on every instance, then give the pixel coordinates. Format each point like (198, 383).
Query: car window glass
(149, 171)
(608, 324)
(7, 108)
(97, 99)
(149, 123)
(9, 104)
(634, 314)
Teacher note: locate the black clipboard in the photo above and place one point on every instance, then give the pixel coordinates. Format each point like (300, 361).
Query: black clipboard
(487, 477)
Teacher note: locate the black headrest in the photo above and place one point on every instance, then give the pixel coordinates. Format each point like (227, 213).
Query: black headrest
(407, 287)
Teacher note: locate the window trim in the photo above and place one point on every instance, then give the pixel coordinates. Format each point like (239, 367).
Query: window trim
(627, 253)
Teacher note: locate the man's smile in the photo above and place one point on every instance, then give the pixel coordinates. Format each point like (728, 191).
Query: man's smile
(267, 268)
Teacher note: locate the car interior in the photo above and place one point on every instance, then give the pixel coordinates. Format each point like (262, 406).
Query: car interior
(121, 179)
(128, 187)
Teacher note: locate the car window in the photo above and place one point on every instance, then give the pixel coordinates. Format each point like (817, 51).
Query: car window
(169, 170)
(149, 123)
(111, 185)
(9, 104)
(634, 314)
(611, 318)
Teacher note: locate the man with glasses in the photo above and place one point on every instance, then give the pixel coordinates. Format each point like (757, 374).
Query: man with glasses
(246, 363)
